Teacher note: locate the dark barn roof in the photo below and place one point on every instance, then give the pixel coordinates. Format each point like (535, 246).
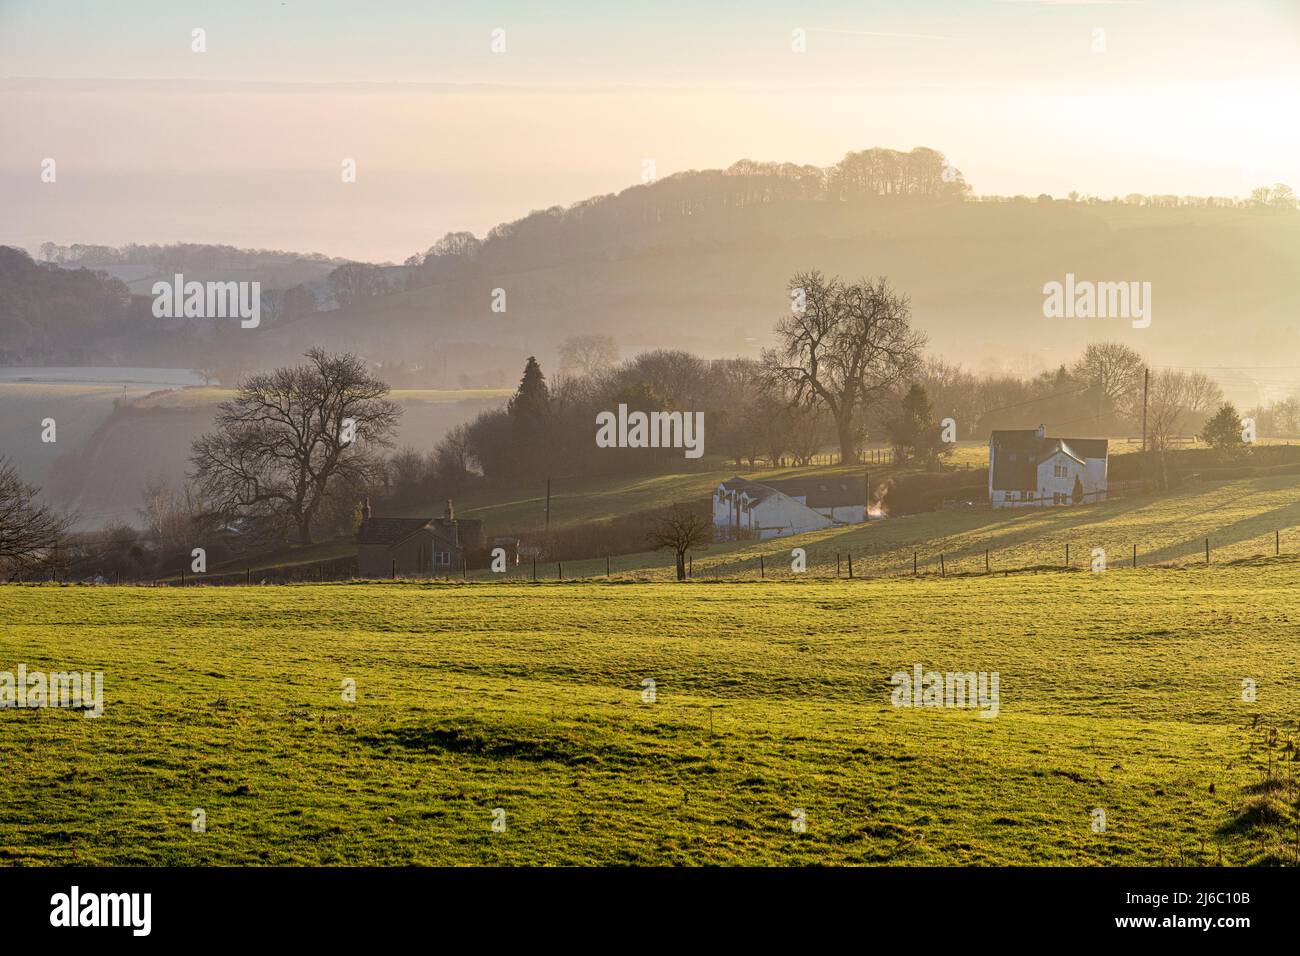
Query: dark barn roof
(841, 492)
(818, 492)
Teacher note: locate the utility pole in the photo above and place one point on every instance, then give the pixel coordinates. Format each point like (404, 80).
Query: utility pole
(1146, 384)
(548, 506)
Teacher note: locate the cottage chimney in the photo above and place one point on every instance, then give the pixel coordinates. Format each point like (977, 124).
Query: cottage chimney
(454, 526)
(1040, 431)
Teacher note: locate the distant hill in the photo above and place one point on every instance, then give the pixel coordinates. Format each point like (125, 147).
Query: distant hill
(700, 261)
(1224, 286)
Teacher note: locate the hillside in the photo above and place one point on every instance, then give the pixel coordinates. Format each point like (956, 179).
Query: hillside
(715, 284)
(1120, 693)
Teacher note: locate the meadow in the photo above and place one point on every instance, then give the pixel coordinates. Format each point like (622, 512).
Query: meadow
(1120, 692)
(1242, 519)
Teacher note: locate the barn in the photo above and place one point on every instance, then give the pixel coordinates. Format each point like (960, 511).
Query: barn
(777, 507)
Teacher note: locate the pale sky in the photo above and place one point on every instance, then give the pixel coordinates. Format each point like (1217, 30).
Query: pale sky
(243, 143)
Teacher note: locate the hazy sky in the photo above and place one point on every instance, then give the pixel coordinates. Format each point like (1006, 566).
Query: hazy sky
(243, 143)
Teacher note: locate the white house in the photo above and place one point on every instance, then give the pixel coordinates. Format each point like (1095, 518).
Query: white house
(779, 507)
(1028, 469)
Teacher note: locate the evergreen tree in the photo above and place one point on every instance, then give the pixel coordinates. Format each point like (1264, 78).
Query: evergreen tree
(529, 411)
(913, 431)
(1223, 431)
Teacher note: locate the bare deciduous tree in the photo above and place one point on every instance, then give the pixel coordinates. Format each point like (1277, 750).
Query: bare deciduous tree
(680, 530)
(849, 347)
(587, 354)
(1115, 371)
(291, 437)
(29, 530)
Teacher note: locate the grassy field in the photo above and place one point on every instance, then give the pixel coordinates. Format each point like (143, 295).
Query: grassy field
(1120, 692)
(579, 500)
(1243, 519)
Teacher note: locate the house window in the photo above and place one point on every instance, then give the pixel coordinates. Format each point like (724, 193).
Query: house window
(1056, 497)
(1029, 496)
(442, 557)
(1061, 471)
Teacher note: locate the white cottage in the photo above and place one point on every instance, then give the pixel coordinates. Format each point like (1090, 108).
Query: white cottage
(779, 507)
(1028, 469)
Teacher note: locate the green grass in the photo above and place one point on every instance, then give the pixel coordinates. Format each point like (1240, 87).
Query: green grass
(1239, 517)
(580, 500)
(1120, 691)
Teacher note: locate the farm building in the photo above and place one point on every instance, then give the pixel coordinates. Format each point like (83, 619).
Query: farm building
(778, 507)
(1027, 469)
(415, 547)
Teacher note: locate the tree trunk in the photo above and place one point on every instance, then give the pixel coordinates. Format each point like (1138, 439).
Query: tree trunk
(848, 451)
(681, 565)
(304, 531)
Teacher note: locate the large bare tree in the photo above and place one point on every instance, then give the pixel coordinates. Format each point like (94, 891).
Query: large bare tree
(844, 346)
(29, 530)
(291, 437)
(1114, 371)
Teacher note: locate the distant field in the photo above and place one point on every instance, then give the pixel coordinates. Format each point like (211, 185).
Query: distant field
(1119, 692)
(77, 409)
(198, 396)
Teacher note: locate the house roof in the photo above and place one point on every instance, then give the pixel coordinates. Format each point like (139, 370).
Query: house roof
(821, 492)
(1018, 452)
(391, 530)
(755, 490)
(817, 492)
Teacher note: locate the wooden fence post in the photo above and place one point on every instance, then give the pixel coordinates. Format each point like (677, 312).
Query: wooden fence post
(837, 564)
(850, 565)
(1207, 550)
(394, 569)
(913, 564)
(560, 565)
(986, 560)
(606, 565)
(762, 571)
(943, 572)
(1135, 555)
